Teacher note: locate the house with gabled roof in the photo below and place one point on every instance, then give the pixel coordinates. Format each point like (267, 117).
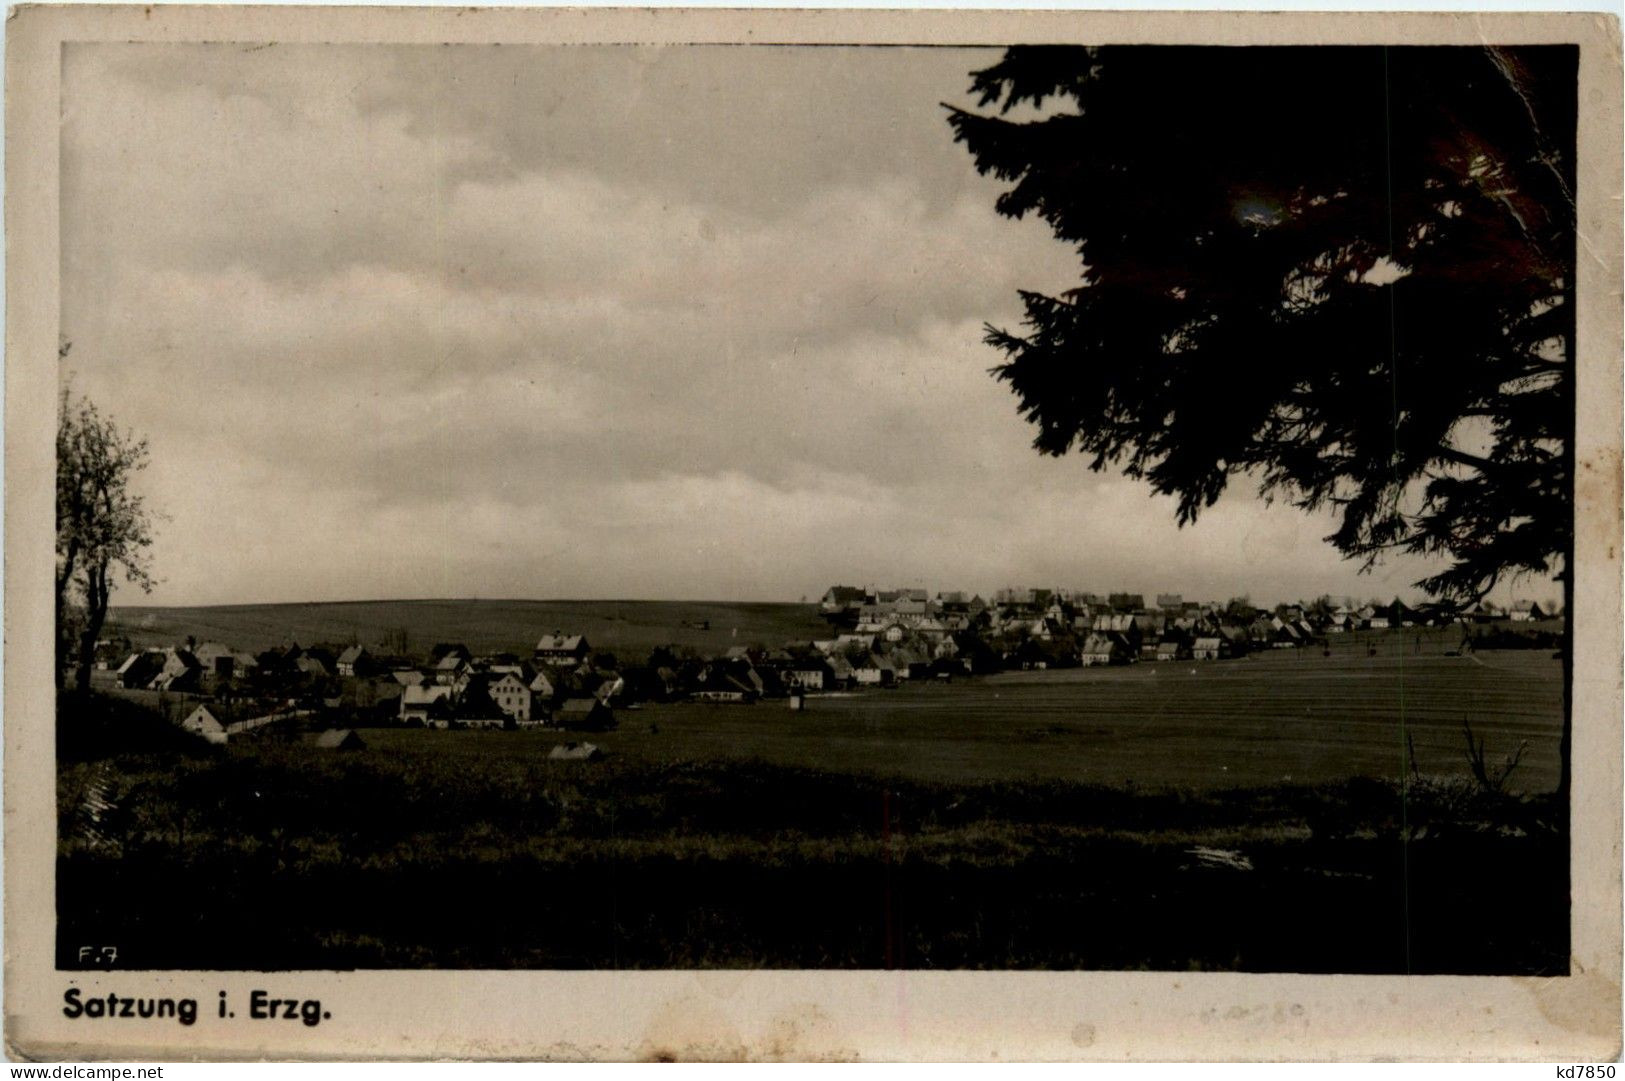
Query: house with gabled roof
(511, 695)
(1400, 614)
(725, 689)
(337, 739)
(451, 669)
(429, 705)
(1104, 648)
(354, 661)
(138, 669)
(311, 664)
(806, 674)
(206, 721)
(1127, 626)
(544, 685)
(841, 598)
(472, 706)
(441, 649)
(1285, 634)
(180, 672)
(576, 752)
(215, 658)
(561, 650)
(874, 671)
(583, 713)
(1173, 649)
(908, 663)
(841, 672)
(611, 686)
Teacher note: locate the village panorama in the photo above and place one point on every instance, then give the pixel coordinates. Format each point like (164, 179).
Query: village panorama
(881, 328)
(962, 781)
(877, 639)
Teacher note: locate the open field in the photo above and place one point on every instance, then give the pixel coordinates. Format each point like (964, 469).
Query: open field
(1293, 717)
(633, 627)
(1217, 816)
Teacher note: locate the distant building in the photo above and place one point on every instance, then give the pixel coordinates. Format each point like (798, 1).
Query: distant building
(311, 665)
(809, 675)
(562, 650)
(874, 671)
(354, 661)
(543, 687)
(726, 689)
(1104, 649)
(180, 672)
(204, 722)
(338, 739)
(216, 660)
(575, 752)
(511, 695)
(450, 669)
(1525, 611)
(586, 714)
(1235, 638)
(428, 705)
(840, 598)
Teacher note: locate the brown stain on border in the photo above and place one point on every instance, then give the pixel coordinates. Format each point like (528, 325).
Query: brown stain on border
(1583, 1004)
(1599, 488)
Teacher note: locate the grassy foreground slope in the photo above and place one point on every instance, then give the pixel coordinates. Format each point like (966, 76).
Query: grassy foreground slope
(633, 627)
(1280, 718)
(415, 858)
(1220, 816)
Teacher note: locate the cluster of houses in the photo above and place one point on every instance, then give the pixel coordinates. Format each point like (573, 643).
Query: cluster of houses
(877, 638)
(295, 686)
(1045, 628)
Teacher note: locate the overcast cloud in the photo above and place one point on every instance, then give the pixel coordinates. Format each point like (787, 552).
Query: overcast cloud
(587, 322)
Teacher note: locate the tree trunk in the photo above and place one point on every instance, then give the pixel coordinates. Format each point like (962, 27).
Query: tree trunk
(1565, 746)
(64, 650)
(96, 596)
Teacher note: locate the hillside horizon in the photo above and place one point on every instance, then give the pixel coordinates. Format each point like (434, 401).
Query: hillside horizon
(482, 625)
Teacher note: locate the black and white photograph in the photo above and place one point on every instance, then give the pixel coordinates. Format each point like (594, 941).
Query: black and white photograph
(1008, 505)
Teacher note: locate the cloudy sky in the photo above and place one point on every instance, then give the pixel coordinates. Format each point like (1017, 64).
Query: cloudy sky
(693, 322)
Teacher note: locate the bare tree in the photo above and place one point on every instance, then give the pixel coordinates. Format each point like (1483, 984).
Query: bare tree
(102, 527)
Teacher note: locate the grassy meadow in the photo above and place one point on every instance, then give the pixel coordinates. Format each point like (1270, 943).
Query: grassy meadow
(631, 627)
(1278, 718)
(1224, 815)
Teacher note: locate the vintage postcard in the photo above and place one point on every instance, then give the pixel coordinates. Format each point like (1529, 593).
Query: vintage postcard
(874, 535)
